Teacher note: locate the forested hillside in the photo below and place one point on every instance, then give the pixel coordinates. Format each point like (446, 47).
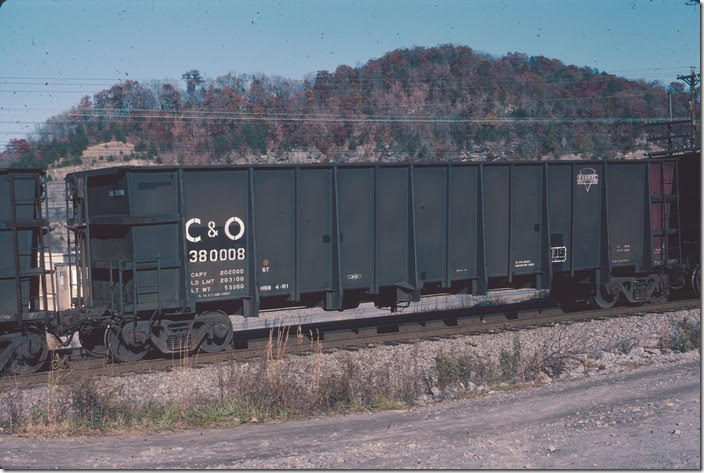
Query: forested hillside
(441, 103)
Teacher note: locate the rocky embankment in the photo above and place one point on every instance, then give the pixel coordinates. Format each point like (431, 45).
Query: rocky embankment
(420, 373)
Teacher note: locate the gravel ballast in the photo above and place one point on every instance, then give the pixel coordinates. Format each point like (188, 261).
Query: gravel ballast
(581, 349)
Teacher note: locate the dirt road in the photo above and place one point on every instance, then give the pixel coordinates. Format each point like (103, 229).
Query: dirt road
(646, 418)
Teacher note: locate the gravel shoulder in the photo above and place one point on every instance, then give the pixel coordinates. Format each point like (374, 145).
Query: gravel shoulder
(648, 417)
(591, 348)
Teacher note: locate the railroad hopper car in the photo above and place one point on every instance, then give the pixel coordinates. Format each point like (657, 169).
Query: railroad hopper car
(166, 254)
(24, 313)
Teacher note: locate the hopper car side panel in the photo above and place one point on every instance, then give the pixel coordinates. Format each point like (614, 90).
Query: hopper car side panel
(465, 255)
(274, 224)
(431, 223)
(314, 223)
(392, 227)
(526, 220)
(216, 256)
(628, 206)
(560, 205)
(588, 189)
(356, 204)
(496, 187)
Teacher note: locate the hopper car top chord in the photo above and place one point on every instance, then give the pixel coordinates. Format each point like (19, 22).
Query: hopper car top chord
(165, 255)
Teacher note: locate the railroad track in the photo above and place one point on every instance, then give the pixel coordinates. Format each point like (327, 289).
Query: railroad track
(351, 335)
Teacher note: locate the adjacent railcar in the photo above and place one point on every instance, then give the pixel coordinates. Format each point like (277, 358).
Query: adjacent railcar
(23, 305)
(167, 253)
(616, 228)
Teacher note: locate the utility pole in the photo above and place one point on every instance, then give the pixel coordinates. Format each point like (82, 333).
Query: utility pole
(669, 125)
(692, 80)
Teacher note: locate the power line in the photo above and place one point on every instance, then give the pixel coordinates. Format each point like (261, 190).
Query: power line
(372, 119)
(359, 78)
(358, 81)
(112, 112)
(364, 106)
(235, 75)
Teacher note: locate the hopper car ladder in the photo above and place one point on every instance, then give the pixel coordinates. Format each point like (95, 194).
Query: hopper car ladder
(132, 267)
(665, 201)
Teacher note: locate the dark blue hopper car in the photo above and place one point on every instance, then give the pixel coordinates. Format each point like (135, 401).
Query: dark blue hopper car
(170, 252)
(165, 255)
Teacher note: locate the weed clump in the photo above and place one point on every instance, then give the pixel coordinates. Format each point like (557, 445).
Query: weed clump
(687, 336)
(511, 363)
(465, 368)
(95, 408)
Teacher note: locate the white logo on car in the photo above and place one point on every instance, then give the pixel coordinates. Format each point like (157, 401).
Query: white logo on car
(587, 177)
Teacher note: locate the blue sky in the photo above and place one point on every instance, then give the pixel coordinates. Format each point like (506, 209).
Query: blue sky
(52, 52)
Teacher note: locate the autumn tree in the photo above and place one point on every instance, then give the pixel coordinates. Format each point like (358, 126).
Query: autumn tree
(446, 102)
(169, 98)
(193, 80)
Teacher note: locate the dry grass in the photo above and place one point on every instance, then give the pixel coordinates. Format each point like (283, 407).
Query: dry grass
(271, 388)
(264, 390)
(687, 336)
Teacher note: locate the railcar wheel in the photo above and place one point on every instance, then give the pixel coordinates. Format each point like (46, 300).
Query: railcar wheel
(604, 297)
(126, 343)
(92, 338)
(218, 334)
(29, 355)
